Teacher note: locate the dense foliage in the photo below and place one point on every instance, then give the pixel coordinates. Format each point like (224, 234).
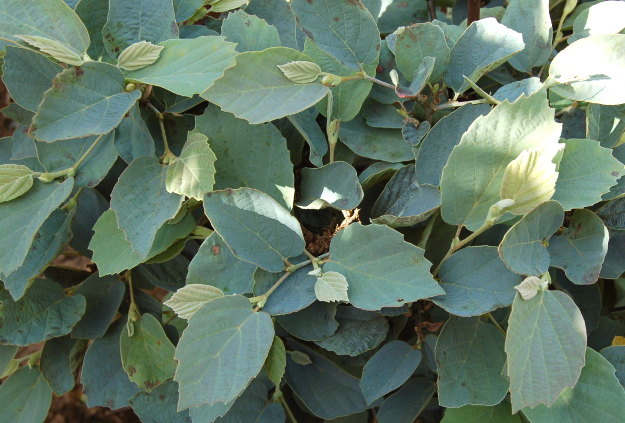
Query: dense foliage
(314, 209)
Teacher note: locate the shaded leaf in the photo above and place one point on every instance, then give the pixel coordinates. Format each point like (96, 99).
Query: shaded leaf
(500, 413)
(406, 404)
(313, 323)
(60, 362)
(276, 361)
(159, 405)
(333, 185)
(295, 293)
(26, 396)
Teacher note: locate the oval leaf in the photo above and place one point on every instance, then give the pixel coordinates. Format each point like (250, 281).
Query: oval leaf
(188, 299)
(15, 180)
(334, 185)
(193, 173)
(138, 55)
(331, 286)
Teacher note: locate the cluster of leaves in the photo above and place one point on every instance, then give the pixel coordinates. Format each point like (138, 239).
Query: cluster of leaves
(470, 179)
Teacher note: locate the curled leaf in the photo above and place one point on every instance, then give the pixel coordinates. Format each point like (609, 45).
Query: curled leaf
(225, 5)
(15, 180)
(301, 71)
(331, 286)
(54, 48)
(138, 55)
(530, 287)
(188, 299)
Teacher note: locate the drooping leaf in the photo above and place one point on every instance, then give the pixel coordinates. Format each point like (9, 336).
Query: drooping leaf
(138, 55)
(83, 101)
(359, 331)
(471, 180)
(130, 23)
(597, 396)
(256, 90)
(242, 337)
(21, 218)
(313, 323)
(407, 403)
(193, 173)
(591, 69)
(485, 45)
(380, 115)
(613, 214)
(333, 185)
(142, 204)
(404, 202)
(60, 362)
(417, 42)
(28, 75)
(500, 413)
(295, 293)
(103, 378)
(276, 361)
(93, 14)
(581, 248)
(522, 247)
(382, 270)
(255, 227)
(388, 369)
(331, 286)
(375, 143)
(532, 20)
(348, 96)
(261, 163)
(250, 32)
(103, 294)
(214, 264)
(476, 281)
(514, 90)
(188, 299)
(56, 49)
(44, 312)
(132, 137)
(159, 405)
(26, 396)
(470, 356)
(540, 332)
(378, 171)
(442, 138)
(307, 126)
(167, 273)
(586, 171)
(55, 21)
(147, 355)
(189, 66)
(325, 388)
(344, 29)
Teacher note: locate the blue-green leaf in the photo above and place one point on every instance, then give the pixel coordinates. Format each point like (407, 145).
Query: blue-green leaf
(60, 362)
(26, 397)
(132, 137)
(405, 405)
(417, 42)
(314, 323)
(333, 185)
(159, 405)
(93, 14)
(295, 293)
(104, 294)
(501, 413)
(616, 356)
(250, 32)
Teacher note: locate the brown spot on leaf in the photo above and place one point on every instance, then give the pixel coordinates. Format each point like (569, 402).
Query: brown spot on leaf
(336, 19)
(131, 371)
(216, 249)
(614, 173)
(79, 72)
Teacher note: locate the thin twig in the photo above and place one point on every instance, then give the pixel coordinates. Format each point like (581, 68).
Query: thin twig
(287, 409)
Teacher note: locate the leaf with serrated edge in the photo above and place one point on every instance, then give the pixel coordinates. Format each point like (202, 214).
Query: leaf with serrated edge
(255, 227)
(471, 180)
(54, 48)
(256, 90)
(276, 361)
(301, 71)
(331, 286)
(193, 173)
(188, 66)
(15, 180)
(225, 329)
(541, 331)
(138, 55)
(225, 5)
(92, 99)
(381, 268)
(188, 299)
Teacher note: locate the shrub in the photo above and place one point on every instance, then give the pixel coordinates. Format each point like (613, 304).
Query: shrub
(301, 211)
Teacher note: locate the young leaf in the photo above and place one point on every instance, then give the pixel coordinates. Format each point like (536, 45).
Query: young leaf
(255, 227)
(470, 356)
(417, 42)
(484, 46)
(331, 286)
(54, 48)
(224, 329)
(21, 218)
(138, 55)
(193, 173)
(276, 361)
(26, 396)
(381, 268)
(344, 29)
(333, 185)
(522, 248)
(591, 69)
(476, 281)
(15, 180)
(187, 67)
(147, 355)
(92, 99)
(581, 248)
(44, 312)
(256, 90)
(388, 369)
(540, 331)
(300, 71)
(188, 299)
(473, 174)
(142, 204)
(219, 6)
(531, 286)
